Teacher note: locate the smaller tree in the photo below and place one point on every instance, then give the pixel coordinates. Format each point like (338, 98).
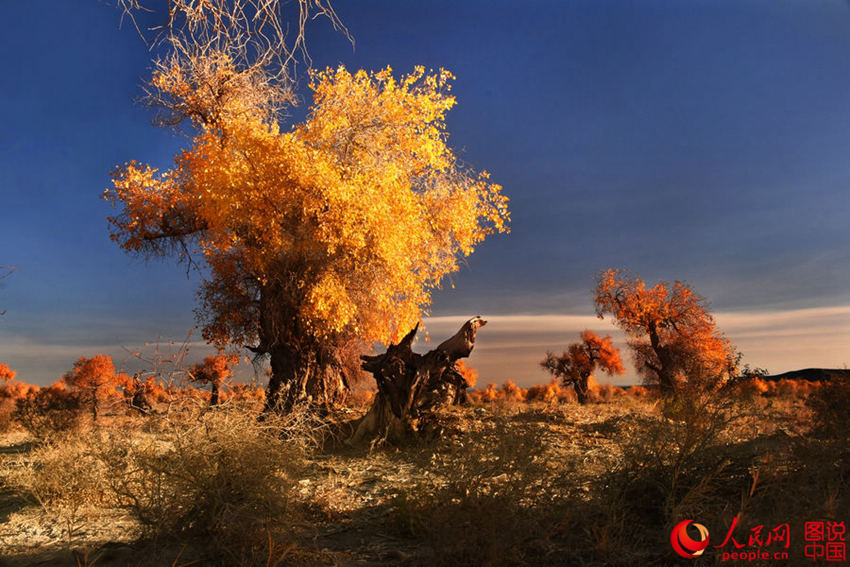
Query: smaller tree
(671, 333)
(215, 371)
(576, 364)
(93, 380)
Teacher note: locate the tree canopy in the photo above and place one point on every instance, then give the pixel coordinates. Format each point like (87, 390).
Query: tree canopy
(94, 380)
(336, 229)
(6, 373)
(215, 371)
(576, 364)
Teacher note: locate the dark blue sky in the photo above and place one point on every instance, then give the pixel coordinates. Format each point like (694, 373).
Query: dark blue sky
(703, 141)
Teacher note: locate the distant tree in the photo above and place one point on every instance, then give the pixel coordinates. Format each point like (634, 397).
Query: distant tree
(6, 373)
(215, 371)
(576, 364)
(93, 380)
(671, 333)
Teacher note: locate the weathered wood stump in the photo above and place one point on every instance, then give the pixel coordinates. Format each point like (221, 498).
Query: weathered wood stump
(412, 386)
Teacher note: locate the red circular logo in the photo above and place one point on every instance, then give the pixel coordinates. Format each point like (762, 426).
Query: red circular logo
(686, 546)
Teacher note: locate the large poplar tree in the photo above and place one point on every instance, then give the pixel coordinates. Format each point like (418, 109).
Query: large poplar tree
(315, 237)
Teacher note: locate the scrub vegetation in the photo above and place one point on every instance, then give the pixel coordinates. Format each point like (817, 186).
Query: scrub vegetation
(515, 477)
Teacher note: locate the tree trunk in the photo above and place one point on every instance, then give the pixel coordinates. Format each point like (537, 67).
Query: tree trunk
(316, 378)
(140, 401)
(664, 371)
(303, 369)
(214, 394)
(412, 386)
(580, 386)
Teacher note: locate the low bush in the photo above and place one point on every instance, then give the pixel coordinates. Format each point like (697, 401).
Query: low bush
(484, 501)
(829, 404)
(63, 477)
(227, 478)
(49, 411)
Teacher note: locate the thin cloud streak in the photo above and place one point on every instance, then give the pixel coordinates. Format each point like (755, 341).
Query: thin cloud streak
(511, 347)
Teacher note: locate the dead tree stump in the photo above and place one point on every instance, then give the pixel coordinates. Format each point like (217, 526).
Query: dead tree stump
(411, 386)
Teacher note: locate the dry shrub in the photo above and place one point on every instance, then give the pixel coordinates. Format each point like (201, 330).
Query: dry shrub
(468, 373)
(791, 388)
(754, 386)
(227, 478)
(49, 411)
(508, 395)
(512, 393)
(551, 393)
(487, 395)
(10, 393)
(64, 477)
(7, 410)
(246, 394)
(829, 404)
(784, 388)
(360, 397)
(546, 393)
(484, 501)
(674, 465)
(567, 395)
(602, 393)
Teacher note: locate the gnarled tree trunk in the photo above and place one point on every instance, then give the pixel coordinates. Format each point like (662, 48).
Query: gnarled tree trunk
(411, 386)
(304, 369)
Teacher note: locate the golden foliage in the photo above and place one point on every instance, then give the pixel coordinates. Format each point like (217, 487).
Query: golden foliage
(513, 393)
(94, 380)
(469, 374)
(347, 221)
(214, 370)
(6, 373)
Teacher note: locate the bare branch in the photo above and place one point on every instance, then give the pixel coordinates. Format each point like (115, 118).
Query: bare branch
(254, 37)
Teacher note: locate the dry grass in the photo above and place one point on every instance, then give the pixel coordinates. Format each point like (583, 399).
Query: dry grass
(510, 483)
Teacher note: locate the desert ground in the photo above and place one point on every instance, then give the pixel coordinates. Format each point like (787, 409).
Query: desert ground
(505, 482)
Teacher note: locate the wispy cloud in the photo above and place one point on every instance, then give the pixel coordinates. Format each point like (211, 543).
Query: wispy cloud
(511, 346)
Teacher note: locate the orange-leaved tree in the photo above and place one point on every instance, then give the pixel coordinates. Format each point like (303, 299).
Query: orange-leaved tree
(576, 364)
(312, 238)
(6, 373)
(215, 371)
(671, 333)
(93, 380)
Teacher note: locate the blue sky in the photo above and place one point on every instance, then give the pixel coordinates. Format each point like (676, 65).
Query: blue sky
(701, 141)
